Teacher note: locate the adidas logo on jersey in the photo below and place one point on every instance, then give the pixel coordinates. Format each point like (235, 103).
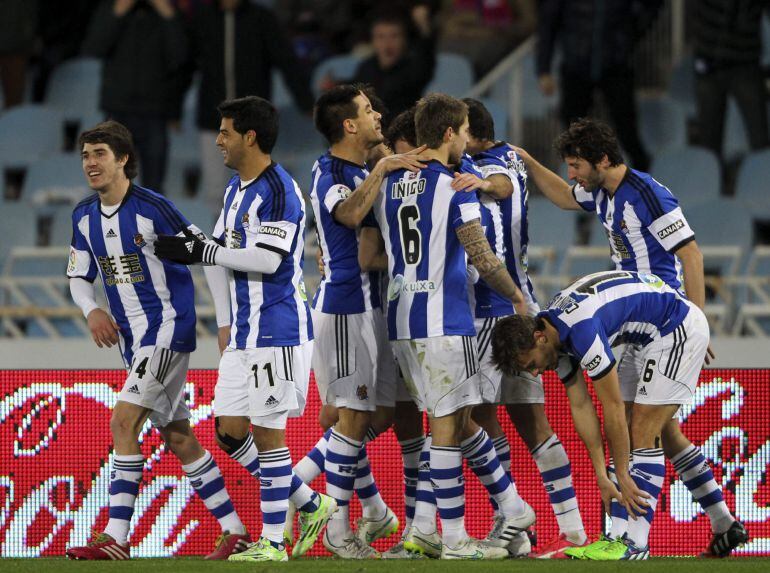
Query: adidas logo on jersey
(643, 391)
(271, 401)
(134, 390)
(110, 234)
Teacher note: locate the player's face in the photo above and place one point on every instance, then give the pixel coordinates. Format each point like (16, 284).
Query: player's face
(389, 43)
(458, 143)
(368, 122)
(100, 165)
(231, 143)
(475, 145)
(542, 357)
(584, 173)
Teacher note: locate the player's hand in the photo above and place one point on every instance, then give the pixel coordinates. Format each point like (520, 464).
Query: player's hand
(547, 84)
(122, 7)
(632, 498)
(103, 329)
(709, 355)
(521, 152)
(319, 259)
(187, 250)
(465, 182)
(608, 491)
(223, 338)
(413, 161)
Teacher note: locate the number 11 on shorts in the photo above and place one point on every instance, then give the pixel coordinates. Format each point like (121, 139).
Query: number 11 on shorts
(268, 368)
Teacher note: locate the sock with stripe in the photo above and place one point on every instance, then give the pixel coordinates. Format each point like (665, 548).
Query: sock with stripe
(372, 504)
(618, 512)
(274, 492)
(482, 459)
(124, 487)
(247, 456)
(425, 499)
(695, 472)
(446, 473)
(556, 473)
(648, 470)
(207, 480)
(410, 455)
(503, 451)
(341, 466)
(313, 464)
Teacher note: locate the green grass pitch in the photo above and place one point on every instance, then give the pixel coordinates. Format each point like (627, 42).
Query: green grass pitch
(188, 565)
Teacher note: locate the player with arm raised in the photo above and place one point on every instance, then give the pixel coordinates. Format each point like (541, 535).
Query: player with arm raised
(152, 320)
(428, 232)
(255, 274)
(647, 232)
(503, 199)
(586, 320)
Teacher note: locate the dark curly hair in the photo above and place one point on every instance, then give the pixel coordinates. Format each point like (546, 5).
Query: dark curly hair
(589, 139)
(402, 127)
(511, 336)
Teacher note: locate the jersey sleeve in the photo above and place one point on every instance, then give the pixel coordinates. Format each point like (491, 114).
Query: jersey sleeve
(465, 207)
(591, 346)
(331, 193)
(81, 262)
(585, 199)
(468, 166)
(219, 228)
(567, 367)
(170, 221)
(279, 216)
(661, 213)
(490, 164)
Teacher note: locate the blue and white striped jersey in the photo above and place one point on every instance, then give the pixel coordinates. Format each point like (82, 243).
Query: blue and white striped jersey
(418, 214)
(606, 309)
(644, 225)
(503, 160)
(485, 301)
(268, 212)
(150, 299)
(344, 289)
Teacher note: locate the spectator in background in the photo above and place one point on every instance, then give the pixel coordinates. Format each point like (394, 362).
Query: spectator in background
(398, 71)
(597, 41)
(727, 62)
(18, 26)
(236, 45)
(144, 47)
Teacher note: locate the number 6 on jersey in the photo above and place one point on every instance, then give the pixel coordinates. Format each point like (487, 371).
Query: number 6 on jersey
(411, 239)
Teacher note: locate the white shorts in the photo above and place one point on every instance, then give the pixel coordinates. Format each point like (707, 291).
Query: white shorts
(303, 357)
(261, 384)
(522, 389)
(666, 370)
(156, 381)
(345, 359)
(441, 373)
(390, 381)
(490, 377)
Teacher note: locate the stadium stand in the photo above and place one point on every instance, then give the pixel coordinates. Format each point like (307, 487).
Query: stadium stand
(699, 183)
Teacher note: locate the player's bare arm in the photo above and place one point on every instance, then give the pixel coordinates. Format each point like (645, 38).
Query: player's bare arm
(490, 268)
(616, 429)
(371, 250)
(589, 429)
(556, 189)
(497, 186)
(694, 282)
(353, 209)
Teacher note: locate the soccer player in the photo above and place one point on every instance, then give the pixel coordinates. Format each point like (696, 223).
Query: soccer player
(503, 199)
(351, 358)
(647, 232)
(584, 321)
(428, 228)
(256, 278)
(152, 320)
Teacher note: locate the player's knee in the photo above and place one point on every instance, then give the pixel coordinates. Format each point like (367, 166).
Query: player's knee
(230, 439)
(124, 426)
(327, 417)
(382, 419)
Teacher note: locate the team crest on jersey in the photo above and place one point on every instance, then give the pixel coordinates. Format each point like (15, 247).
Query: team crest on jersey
(245, 220)
(623, 226)
(362, 393)
(234, 206)
(139, 240)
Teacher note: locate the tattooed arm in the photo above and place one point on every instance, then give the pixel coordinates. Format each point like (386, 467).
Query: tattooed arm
(490, 268)
(352, 210)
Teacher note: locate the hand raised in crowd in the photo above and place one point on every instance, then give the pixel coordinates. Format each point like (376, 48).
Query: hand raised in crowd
(122, 7)
(547, 84)
(163, 7)
(103, 329)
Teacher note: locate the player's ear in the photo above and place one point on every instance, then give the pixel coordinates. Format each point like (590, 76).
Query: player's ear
(350, 126)
(449, 134)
